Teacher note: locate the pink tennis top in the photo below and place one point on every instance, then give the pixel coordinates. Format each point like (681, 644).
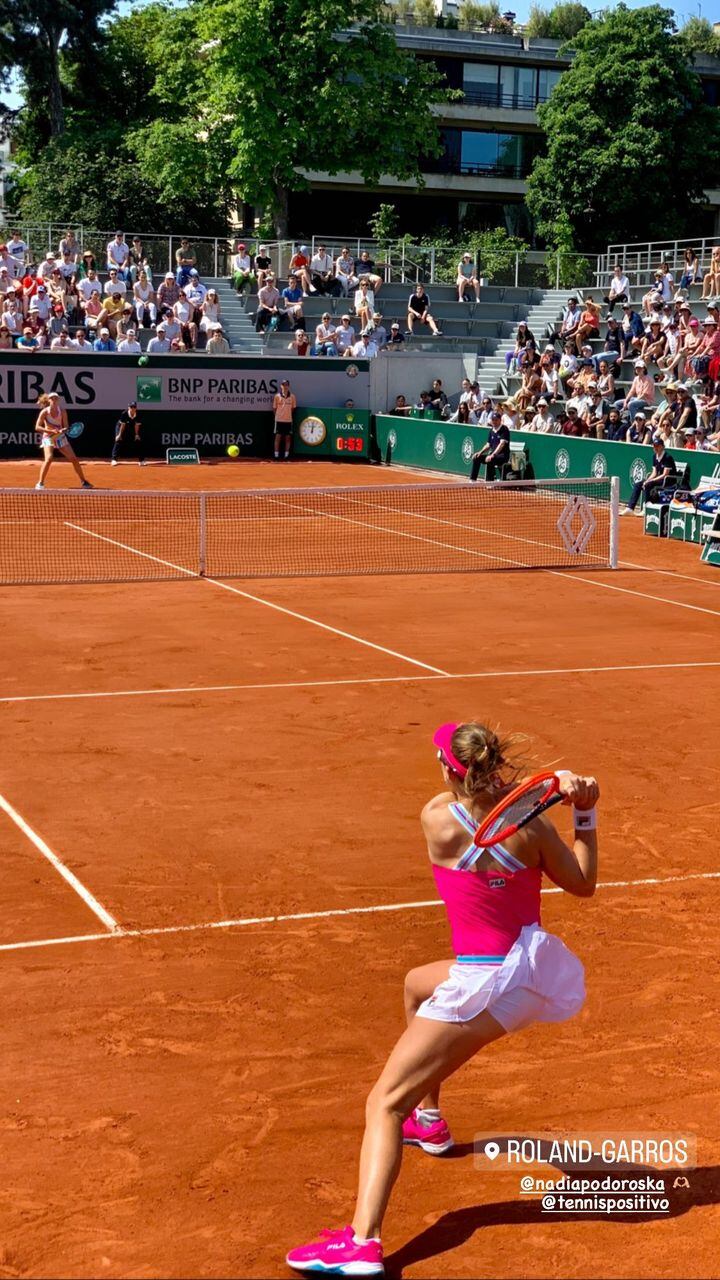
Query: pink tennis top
(487, 909)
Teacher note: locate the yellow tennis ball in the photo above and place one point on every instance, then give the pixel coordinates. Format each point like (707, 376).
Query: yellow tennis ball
(233, 451)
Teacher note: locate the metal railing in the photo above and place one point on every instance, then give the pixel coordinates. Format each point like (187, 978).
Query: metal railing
(489, 97)
(641, 260)
(213, 253)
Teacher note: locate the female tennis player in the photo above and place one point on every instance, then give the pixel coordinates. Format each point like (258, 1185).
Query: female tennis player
(508, 971)
(52, 427)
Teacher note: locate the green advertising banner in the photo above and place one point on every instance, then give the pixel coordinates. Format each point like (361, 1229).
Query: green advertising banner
(449, 446)
(342, 434)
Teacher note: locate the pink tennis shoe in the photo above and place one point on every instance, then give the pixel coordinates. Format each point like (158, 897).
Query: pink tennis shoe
(337, 1253)
(434, 1138)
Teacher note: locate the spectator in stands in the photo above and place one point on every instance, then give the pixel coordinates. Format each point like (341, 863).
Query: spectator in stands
(300, 267)
(684, 317)
(364, 303)
(196, 293)
(495, 453)
(322, 273)
(61, 340)
(243, 276)
(641, 394)
(111, 313)
(639, 430)
(344, 335)
(80, 342)
(707, 350)
(419, 311)
(137, 260)
(144, 299)
(663, 469)
(619, 290)
(396, 339)
(159, 345)
(569, 365)
(28, 341)
(88, 284)
(126, 321)
(613, 348)
(672, 356)
(217, 343)
(365, 349)
(114, 282)
(653, 345)
(464, 415)
(324, 344)
(184, 311)
(664, 282)
(7, 342)
(18, 250)
(86, 265)
(40, 304)
(263, 262)
(67, 266)
(569, 324)
(47, 265)
(268, 304)
(168, 293)
(210, 312)
(438, 399)
(606, 382)
(531, 385)
(292, 297)
(173, 332)
(401, 408)
(467, 278)
(104, 343)
(633, 329)
(589, 326)
(711, 281)
(92, 310)
(522, 338)
(365, 267)
(69, 245)
(510, 415)
(12, 317)
(691, 269)
(117, 255)
(345, 270)
(543, 420)
(684, 415)
(379, 332)
(482, 409)
(185, 260)
(691, 342)
(57, 289)
(129, 346)
(300, 344)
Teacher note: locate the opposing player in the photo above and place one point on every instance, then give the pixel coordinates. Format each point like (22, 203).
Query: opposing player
(508, 971)
(52, 426)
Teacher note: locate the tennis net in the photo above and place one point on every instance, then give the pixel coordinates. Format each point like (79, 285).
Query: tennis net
(61, 536)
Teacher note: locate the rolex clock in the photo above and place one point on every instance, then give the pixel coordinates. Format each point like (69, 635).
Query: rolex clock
(312, 431)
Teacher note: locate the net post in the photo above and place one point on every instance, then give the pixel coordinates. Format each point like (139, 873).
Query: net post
(614, 520)
(202, 536)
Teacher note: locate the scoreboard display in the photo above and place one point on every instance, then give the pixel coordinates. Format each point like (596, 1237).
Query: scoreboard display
(343, 434)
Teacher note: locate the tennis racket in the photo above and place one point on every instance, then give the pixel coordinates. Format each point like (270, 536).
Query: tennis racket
(524, 803)
(75, 429)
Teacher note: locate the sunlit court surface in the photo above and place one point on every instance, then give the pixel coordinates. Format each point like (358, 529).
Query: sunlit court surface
(215, 881)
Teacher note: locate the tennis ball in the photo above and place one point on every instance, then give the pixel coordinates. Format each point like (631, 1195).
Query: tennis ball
(233, 451)
(143, 360)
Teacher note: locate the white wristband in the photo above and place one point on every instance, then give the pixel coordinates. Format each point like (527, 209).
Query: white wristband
(585, 819)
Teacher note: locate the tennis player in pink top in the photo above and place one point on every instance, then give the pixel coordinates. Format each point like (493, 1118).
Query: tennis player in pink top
(507, 972)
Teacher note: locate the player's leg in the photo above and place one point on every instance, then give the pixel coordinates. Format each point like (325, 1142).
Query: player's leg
(68, 452)
(425, 1055)
(419, 986)
(287, 442)
(48, 452)
(139, 448)
(278, 439)
(119, 434)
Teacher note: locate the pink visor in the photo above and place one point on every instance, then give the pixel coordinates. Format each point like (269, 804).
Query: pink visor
(442, 738)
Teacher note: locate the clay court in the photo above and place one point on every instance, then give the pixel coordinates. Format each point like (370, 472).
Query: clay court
(232, 775)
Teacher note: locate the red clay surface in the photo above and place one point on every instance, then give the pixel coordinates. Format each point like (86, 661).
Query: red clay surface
(191, 1103)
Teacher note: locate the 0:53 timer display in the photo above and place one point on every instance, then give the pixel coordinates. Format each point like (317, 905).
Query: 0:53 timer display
(349, 444)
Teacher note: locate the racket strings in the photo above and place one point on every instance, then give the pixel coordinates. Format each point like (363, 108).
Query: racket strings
(517, 809)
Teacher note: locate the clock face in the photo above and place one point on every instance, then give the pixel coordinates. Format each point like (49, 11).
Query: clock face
(312, 430)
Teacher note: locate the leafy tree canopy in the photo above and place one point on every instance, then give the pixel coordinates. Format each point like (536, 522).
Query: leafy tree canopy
(562, 22)
(631, 144)
(698, 36)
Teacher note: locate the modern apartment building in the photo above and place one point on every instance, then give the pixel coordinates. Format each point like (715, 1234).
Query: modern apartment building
(490, 138)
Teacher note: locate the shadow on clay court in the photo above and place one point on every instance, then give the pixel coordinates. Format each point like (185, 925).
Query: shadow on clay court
(453, 1229)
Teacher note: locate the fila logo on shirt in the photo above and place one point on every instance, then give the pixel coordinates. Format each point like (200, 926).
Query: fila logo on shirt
(497, 882)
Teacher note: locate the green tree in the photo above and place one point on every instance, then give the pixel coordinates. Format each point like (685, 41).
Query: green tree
(614, 161)
(698, 35)
(263, 91)
(482, 16)
(562, 22)
(424, 13)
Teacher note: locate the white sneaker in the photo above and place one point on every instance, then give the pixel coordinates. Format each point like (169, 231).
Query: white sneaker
(39, 486)
(627, 511)
(141, 462)
(113, 462)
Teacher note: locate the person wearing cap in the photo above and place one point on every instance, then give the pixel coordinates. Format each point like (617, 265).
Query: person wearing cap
(129, 346)
(653, 346)
(128, 426)
(52, 427)
(242, 275)
(684, 415)
(284, 406)
(104, 343)
(117, 255)
(396, 339)
(365, 348)
(86, 264)
(47, 266)
(217, 343)
(160, 344)
(379, 332)
(185, 260)
(495, 453)
(673, 355)
(40, 303)
(300, 267)
(543, 421)
(210, 312)
(344, 335)
(639, 431)
(168, 293)
(664, 469)
(619, 290)
(641, 394)
(322, 273)
(467, 278)
(633, 328)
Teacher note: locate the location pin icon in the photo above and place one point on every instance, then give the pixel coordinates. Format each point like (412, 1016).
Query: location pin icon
(492, 1150)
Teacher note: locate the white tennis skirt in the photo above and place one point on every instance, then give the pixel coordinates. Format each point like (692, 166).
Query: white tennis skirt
(540, 980)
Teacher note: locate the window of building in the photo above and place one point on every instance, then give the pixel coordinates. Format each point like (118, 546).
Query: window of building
(546, 83)
(518, 86)
(480, 82)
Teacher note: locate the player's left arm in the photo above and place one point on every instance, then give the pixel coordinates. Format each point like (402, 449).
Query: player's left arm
(572, 869)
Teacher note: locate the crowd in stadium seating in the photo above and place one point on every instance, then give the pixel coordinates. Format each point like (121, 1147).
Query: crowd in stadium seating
(70, 301)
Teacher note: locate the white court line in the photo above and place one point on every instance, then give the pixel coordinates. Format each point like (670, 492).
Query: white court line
(291, 613)
(319, 684)
(67, 875)
(245, 922)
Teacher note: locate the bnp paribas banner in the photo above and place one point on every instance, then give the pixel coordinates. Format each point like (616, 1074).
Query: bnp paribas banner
(207, 403)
